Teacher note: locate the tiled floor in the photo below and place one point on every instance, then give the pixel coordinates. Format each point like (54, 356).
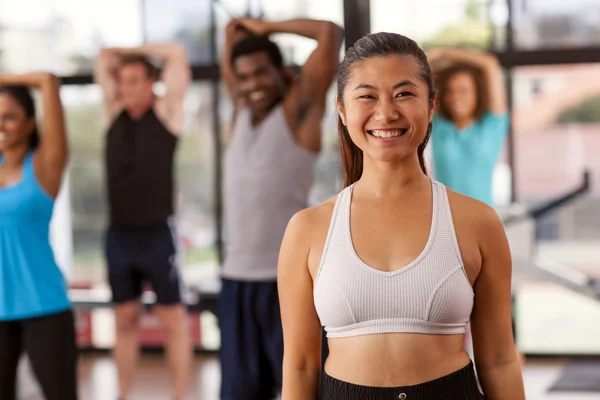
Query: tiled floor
(98, 380)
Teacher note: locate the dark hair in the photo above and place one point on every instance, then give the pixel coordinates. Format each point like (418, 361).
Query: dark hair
(376, 45)
(255, 44)
(22, 95)
(151, 69)
(480, 86)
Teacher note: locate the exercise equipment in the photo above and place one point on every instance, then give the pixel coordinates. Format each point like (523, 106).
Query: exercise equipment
(520, 227)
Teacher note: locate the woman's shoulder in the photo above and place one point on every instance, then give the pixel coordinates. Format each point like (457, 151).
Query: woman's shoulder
(478, 229)
(307, 231)
(311, 219)
(439, 120)
(471, 214)
(440, 126)
(492, 118)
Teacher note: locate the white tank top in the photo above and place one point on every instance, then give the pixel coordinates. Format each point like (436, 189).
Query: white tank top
(268, 178)
(431, 295)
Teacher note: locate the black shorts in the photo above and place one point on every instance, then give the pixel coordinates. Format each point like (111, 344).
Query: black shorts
(251, 340)
(459, 385)
(139, 255)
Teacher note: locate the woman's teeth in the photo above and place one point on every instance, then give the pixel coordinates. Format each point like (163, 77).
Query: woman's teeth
(2, 136)
(387, 133)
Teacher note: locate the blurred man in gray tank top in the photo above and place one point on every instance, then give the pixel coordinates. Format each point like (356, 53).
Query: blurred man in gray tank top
(273, 144)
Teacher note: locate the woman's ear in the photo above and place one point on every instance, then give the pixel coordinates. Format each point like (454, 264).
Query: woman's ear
(432, 107)
(341, 111)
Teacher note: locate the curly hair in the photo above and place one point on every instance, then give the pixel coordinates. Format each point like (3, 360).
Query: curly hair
(480, 84)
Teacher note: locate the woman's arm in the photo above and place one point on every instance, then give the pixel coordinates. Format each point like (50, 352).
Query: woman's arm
(496, 358)
(301, 326)
(487, 63)
(52, 152)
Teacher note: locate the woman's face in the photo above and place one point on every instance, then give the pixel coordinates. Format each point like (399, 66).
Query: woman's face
(15, 126)
(460, 96)
(386, 107)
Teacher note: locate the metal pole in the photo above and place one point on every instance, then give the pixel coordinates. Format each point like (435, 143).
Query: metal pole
(218, 176)
(509, 98)
(357, 20)
(143, 17)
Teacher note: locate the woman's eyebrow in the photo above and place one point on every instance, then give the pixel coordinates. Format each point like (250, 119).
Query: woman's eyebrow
(406, 82)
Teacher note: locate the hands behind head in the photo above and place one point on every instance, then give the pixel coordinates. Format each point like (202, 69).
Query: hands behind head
(111, 57)
(32, 79)
(43, 77)
(239, 28)
(443, 56)
(435, 53)
(113, 51)
(255, 26)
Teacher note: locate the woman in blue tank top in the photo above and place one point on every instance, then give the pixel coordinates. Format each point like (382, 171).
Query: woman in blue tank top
(471, 122)
(35, 312)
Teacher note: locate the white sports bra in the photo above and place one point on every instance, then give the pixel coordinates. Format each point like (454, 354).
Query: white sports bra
(431, 295)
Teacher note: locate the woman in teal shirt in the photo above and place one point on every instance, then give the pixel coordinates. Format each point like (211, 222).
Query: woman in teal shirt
(471, 123)
(35, 312)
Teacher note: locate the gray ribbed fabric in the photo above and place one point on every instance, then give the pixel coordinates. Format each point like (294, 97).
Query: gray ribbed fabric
(268, 177)
(431, 295)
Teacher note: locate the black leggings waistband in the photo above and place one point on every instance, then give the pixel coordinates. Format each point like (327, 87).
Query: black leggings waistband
(459, 385)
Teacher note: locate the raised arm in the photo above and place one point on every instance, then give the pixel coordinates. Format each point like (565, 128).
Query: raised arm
(176, 74)
(496, 359)
(486, 62)
(321, 66)
(234, 32)
(301, 326)
(52, 152)
(105, 75)
(304, 103)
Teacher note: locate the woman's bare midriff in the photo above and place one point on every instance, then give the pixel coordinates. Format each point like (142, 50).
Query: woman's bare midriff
(395, 359)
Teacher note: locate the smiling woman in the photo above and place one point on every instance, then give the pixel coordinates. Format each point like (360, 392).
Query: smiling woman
(472, 120)
(35, 312)
(18, 120)
(395, 315)
(364, 96)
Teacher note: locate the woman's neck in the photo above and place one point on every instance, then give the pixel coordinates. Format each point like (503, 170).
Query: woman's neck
(391, 180)
(462, 123)
(13, 159)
